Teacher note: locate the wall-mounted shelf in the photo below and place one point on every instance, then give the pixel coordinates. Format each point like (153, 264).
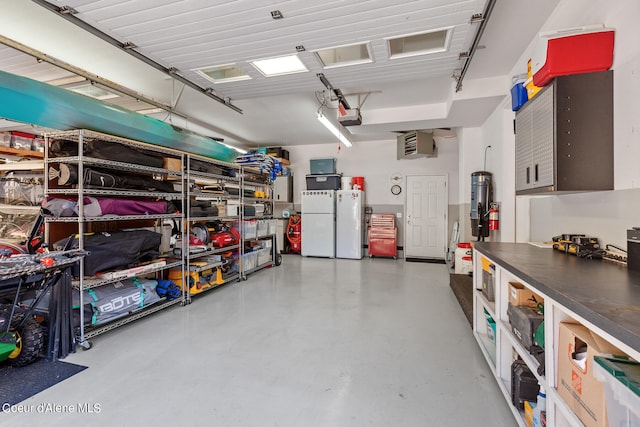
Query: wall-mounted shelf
(27, 154)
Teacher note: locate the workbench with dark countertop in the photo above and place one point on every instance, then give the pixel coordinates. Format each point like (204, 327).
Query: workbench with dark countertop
(605, 294)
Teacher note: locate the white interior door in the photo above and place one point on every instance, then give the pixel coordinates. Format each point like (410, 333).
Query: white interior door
(426, 217)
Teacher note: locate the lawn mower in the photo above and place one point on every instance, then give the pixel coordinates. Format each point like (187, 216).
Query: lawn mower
(22, 337)
(28, 271)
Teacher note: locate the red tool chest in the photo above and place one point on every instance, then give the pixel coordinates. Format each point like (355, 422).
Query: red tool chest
(382, 236)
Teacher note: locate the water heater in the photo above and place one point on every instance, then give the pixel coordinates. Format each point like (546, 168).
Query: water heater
(481, 198)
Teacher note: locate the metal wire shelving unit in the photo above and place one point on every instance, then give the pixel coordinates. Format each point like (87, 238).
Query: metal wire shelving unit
(80, 190)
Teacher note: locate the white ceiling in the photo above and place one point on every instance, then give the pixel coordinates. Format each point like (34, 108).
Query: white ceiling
(404, 94)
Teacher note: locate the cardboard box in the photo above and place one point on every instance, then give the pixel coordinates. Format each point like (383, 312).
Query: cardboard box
(520, 296)
(576, 384)
(222, 209)
(172, 164)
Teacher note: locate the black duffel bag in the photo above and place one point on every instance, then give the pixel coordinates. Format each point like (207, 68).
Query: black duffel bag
(105, 150)
(103, 178)
(114, 249)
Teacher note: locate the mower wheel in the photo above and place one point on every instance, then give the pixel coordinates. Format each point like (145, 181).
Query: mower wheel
(29, 341)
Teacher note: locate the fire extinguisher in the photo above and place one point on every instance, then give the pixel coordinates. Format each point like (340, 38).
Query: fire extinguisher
(494, 217)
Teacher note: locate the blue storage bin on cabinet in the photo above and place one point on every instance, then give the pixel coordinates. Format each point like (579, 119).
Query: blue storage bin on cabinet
(519, 96)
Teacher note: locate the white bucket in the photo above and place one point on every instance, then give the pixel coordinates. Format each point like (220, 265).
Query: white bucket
(463, 262)
(346, 182)
(165, 241)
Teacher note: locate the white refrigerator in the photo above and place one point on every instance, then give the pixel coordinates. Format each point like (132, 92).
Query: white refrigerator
(349, 223)
(319, 223)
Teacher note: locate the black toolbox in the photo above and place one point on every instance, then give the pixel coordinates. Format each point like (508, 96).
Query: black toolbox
(524, 322)
(524, 385)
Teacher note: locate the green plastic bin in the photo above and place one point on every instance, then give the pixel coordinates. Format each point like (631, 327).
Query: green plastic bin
(621, 379)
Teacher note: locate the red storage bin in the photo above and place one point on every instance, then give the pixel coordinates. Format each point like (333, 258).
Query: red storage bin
(575, 51)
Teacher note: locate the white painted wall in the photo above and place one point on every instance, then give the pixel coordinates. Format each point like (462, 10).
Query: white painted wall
(376, 161)
(491, 148)
(523, 218)
(498, 140)
(605, 215)
(471, 159)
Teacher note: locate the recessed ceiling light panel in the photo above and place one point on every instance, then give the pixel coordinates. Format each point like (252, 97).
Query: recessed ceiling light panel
(223, 73)
(279, 66)
(94, 92)
(345, 55)
(420, 44)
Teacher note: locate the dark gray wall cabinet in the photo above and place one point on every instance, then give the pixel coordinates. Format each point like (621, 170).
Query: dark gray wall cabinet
(564, 136)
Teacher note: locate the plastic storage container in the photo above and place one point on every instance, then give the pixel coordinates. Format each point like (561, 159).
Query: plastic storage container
(572, 51)
(262, 227)
(263, 257)
(519, 96)
(5, 139)
(272, 225)
(323, 182)
(621, 378)
(38, 145)
(322, 166)
(248, 262)
(20, 142)
(249, 227)
(491, 326)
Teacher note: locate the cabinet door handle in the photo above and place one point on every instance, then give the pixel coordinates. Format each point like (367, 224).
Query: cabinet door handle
(536, 173)
(528, 175)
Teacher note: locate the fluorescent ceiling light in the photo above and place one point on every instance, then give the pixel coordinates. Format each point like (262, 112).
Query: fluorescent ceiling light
(223, 73)
(150, 111)
(419, 44)
(345, 55)
(279, 66)
(333, 129)
(94, 92)
(66, 80)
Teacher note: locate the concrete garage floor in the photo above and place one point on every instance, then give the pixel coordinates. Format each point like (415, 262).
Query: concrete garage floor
(314, 342)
